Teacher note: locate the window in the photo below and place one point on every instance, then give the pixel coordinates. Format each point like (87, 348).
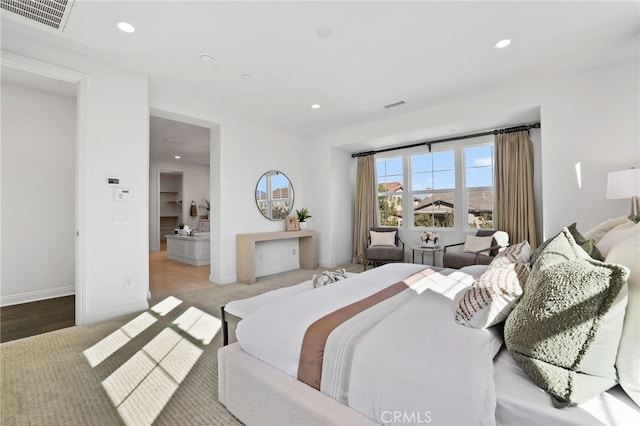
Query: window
(433, 184)
(450, 188)
(479, 186)
(390, 177)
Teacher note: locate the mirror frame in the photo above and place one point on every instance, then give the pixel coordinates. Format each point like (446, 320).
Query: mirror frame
(269, 201)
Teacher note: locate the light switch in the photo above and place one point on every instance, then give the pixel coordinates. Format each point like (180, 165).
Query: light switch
(122, 194)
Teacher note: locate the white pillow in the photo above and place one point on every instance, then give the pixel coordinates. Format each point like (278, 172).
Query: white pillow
(474, 244)
(616, 235)
(627, 253)
(383, 238)
(597, 232)
(502, 239)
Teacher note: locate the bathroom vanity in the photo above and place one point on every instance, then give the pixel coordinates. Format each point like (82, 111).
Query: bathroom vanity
(193, 249)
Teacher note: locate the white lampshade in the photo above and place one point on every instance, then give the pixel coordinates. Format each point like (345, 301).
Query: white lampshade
(623, 184)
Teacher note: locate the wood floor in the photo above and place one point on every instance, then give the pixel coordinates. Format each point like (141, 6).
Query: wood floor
(29, 319)
(166, 278)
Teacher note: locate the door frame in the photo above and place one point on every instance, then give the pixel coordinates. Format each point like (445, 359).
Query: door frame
(81, 81)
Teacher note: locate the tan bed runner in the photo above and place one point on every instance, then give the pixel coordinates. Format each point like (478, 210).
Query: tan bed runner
(315, 338)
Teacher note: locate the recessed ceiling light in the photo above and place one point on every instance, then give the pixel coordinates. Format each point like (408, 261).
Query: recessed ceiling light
(125, 27)
(502, 43)
(324, 32)
(245, 76)
(177, 157)
(206, 58)
(315, 106)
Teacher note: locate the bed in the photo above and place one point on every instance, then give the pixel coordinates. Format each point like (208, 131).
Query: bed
(401, 360)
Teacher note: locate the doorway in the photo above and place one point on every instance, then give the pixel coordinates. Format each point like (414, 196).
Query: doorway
(180, 182)
(39, 122)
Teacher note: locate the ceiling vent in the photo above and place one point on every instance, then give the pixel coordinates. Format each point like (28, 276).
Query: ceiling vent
(52, 13)
(392, 105)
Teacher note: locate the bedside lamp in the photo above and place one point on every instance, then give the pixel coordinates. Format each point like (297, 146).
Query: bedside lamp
(625, 184)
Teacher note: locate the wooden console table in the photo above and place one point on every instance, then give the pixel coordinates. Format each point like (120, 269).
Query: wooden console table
(246, 251)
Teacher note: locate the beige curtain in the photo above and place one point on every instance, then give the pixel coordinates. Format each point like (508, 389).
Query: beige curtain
(514, 187)
(366, 213)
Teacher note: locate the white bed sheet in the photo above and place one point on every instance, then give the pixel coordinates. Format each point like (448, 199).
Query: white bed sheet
(282, 349)
(521, 402)
(419, 364)
(243, 307)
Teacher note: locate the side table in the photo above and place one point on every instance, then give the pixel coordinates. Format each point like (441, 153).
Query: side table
(424, 250)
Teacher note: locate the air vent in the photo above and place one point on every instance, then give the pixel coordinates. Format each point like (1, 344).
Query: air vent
(393, 105)
(52, 13)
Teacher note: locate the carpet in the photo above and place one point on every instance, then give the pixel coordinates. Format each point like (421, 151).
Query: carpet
(156, 367)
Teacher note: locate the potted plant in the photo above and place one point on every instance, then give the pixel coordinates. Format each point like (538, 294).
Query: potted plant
(303, 215)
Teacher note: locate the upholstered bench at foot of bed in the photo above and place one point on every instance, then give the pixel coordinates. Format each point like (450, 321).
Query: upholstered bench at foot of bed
(238, 309)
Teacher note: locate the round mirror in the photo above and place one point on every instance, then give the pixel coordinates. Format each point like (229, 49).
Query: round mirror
(274, 195)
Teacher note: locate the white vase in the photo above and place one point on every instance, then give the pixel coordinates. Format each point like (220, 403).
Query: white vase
(303, 225)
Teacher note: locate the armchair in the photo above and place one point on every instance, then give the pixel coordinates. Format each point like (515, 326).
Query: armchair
(454, 257)
(383, 246)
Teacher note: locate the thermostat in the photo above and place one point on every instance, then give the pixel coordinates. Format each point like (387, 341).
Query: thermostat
(122, 194)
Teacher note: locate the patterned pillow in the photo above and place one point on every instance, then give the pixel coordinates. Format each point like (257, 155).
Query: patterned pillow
(565, 331)
(493, 296)
(516, 253)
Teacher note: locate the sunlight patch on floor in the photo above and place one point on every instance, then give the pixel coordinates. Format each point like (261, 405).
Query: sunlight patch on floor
(166, 306)
(110, 344)
(142, 386)
(200, 325)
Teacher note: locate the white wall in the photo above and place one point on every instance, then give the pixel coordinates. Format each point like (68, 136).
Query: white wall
(38, 197)
(115, 127)
(240, 153)
(195, 187)
(589, 117)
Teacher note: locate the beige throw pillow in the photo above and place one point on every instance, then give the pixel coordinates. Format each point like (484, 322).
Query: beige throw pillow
(616, 235)
(383, 238)
(597, 232)
(627, 252)
(474, 244)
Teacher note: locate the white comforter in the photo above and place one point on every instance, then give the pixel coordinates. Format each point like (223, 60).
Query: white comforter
(414, 366)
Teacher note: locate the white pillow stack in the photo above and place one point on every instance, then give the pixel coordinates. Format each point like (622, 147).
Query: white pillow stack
(620, 244)
(627, 252)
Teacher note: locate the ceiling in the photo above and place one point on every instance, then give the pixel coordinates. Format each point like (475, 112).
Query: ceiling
(168, 138)
(271, 62)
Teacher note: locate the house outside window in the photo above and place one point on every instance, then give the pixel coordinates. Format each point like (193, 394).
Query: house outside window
(433, 185)
(450, 188)
(389, 175)
(479, 187)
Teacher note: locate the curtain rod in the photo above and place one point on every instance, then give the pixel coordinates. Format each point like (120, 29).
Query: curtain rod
(520, 128)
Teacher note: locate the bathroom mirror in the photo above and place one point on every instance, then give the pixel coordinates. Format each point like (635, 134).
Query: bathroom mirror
(274, 195)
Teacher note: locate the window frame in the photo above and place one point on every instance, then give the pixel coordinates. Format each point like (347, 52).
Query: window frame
(466, 190)
(460, 191)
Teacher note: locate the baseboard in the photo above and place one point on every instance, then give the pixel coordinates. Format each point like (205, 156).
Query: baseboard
(34, 296)
(123, 310)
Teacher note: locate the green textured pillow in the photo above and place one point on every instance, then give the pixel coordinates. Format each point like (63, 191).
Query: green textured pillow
(565, 331)
(587, 245)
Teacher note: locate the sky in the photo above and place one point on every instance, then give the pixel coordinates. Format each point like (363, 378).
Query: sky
(437, 170)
